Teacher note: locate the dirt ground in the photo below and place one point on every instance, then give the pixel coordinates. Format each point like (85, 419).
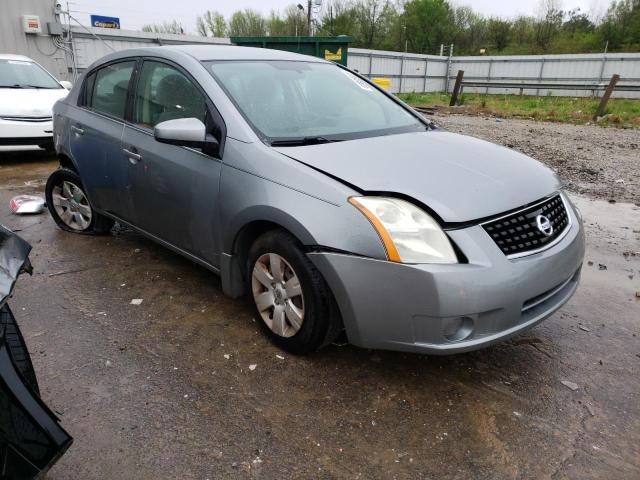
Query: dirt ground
(164, 389)
(596, 161)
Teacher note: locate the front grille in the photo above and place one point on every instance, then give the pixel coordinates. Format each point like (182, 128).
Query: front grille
(517, 234)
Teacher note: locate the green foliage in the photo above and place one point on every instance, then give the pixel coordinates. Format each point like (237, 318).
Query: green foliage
(498, 33)
(212, 22)
(621, 27)
(165, 27)
(620, 112)
(339, 19)
(427, 24)
(247, 23)
(469, 30)
(421, 26)
(293, 22)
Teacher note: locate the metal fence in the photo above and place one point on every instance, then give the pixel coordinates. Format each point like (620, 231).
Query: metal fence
(410, 72)
(431, 73)
(90, 44)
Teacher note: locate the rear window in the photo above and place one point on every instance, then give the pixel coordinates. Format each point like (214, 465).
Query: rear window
(106, 89)
(164, 93)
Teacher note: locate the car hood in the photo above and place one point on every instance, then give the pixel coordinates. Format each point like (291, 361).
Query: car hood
(29, 102)
(461, 178)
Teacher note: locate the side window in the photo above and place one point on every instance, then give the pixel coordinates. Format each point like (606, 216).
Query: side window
(110, 89)
(164, 93)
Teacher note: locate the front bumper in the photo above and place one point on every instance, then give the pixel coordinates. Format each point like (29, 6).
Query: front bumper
(442, 309)
(26, 132)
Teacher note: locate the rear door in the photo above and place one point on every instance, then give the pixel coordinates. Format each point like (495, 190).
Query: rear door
(174, 189)
(96, 137)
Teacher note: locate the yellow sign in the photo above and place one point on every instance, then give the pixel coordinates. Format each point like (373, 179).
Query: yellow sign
(382, 82)
(333, 56)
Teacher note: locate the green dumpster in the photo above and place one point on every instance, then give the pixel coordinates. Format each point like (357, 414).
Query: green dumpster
(329, 48)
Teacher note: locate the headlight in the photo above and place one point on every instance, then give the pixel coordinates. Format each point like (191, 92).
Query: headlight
(408, 234)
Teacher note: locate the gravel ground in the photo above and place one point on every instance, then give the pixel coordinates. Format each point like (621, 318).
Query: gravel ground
(596, 161)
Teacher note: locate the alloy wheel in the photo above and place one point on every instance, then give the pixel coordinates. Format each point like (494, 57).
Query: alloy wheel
(72, 206)
(278, 294)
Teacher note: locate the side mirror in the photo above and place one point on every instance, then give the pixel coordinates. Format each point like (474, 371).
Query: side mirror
(65, 84)
(186, 132)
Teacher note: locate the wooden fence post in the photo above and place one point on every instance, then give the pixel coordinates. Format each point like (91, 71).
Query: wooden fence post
(456, 88)
(605, 97)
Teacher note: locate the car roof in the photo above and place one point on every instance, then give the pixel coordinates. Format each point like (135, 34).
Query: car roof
(11, 56)
(223, 52)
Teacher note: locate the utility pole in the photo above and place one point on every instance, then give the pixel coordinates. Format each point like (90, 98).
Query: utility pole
(446, 82)
(406, 39)
(300, 9)
(309, 18)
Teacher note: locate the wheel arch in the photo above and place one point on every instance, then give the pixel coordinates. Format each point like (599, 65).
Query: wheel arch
(236, 244)
(234, 266)
(67, 162)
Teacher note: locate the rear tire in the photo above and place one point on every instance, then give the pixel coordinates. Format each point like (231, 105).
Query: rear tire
(69, 205)
(292, 301)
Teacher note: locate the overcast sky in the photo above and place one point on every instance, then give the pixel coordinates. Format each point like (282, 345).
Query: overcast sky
(135, 13)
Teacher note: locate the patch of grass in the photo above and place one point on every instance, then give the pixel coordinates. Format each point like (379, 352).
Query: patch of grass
(620, 112)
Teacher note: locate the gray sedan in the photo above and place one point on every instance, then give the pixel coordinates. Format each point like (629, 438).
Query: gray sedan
(337, 208)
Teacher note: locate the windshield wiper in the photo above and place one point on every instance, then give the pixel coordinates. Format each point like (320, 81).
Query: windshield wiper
(294, 142)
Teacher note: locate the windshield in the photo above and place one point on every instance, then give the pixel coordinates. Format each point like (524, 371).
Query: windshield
(312, 102)
(24, 74)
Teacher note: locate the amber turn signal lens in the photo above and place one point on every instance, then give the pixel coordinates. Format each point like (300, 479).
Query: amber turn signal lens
(390, 248)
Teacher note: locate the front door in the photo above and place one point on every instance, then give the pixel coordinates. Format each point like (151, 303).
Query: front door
(174, 189)
(96, 129)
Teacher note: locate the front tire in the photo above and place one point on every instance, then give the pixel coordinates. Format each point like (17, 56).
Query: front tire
(292, 302)
(69, 205)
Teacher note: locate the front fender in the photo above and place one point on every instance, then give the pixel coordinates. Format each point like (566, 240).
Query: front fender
(261, 185)
(264, 213)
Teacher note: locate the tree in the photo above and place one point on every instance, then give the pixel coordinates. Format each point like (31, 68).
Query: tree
(498, 33)
(294, 22)
(428, 24)
(276, 25)
(422, 25)
(373, 17)
(621, 26)
(247, 23)
(523, 30)
(577, 22)
(549, 23)
(470, 30)
(212, 22)
(339, 19)
(165, 27)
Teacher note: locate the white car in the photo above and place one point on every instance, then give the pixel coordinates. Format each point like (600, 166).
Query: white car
(27, 95)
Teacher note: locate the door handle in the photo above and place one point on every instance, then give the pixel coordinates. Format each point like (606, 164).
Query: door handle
(133, 157)
(77, 130)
